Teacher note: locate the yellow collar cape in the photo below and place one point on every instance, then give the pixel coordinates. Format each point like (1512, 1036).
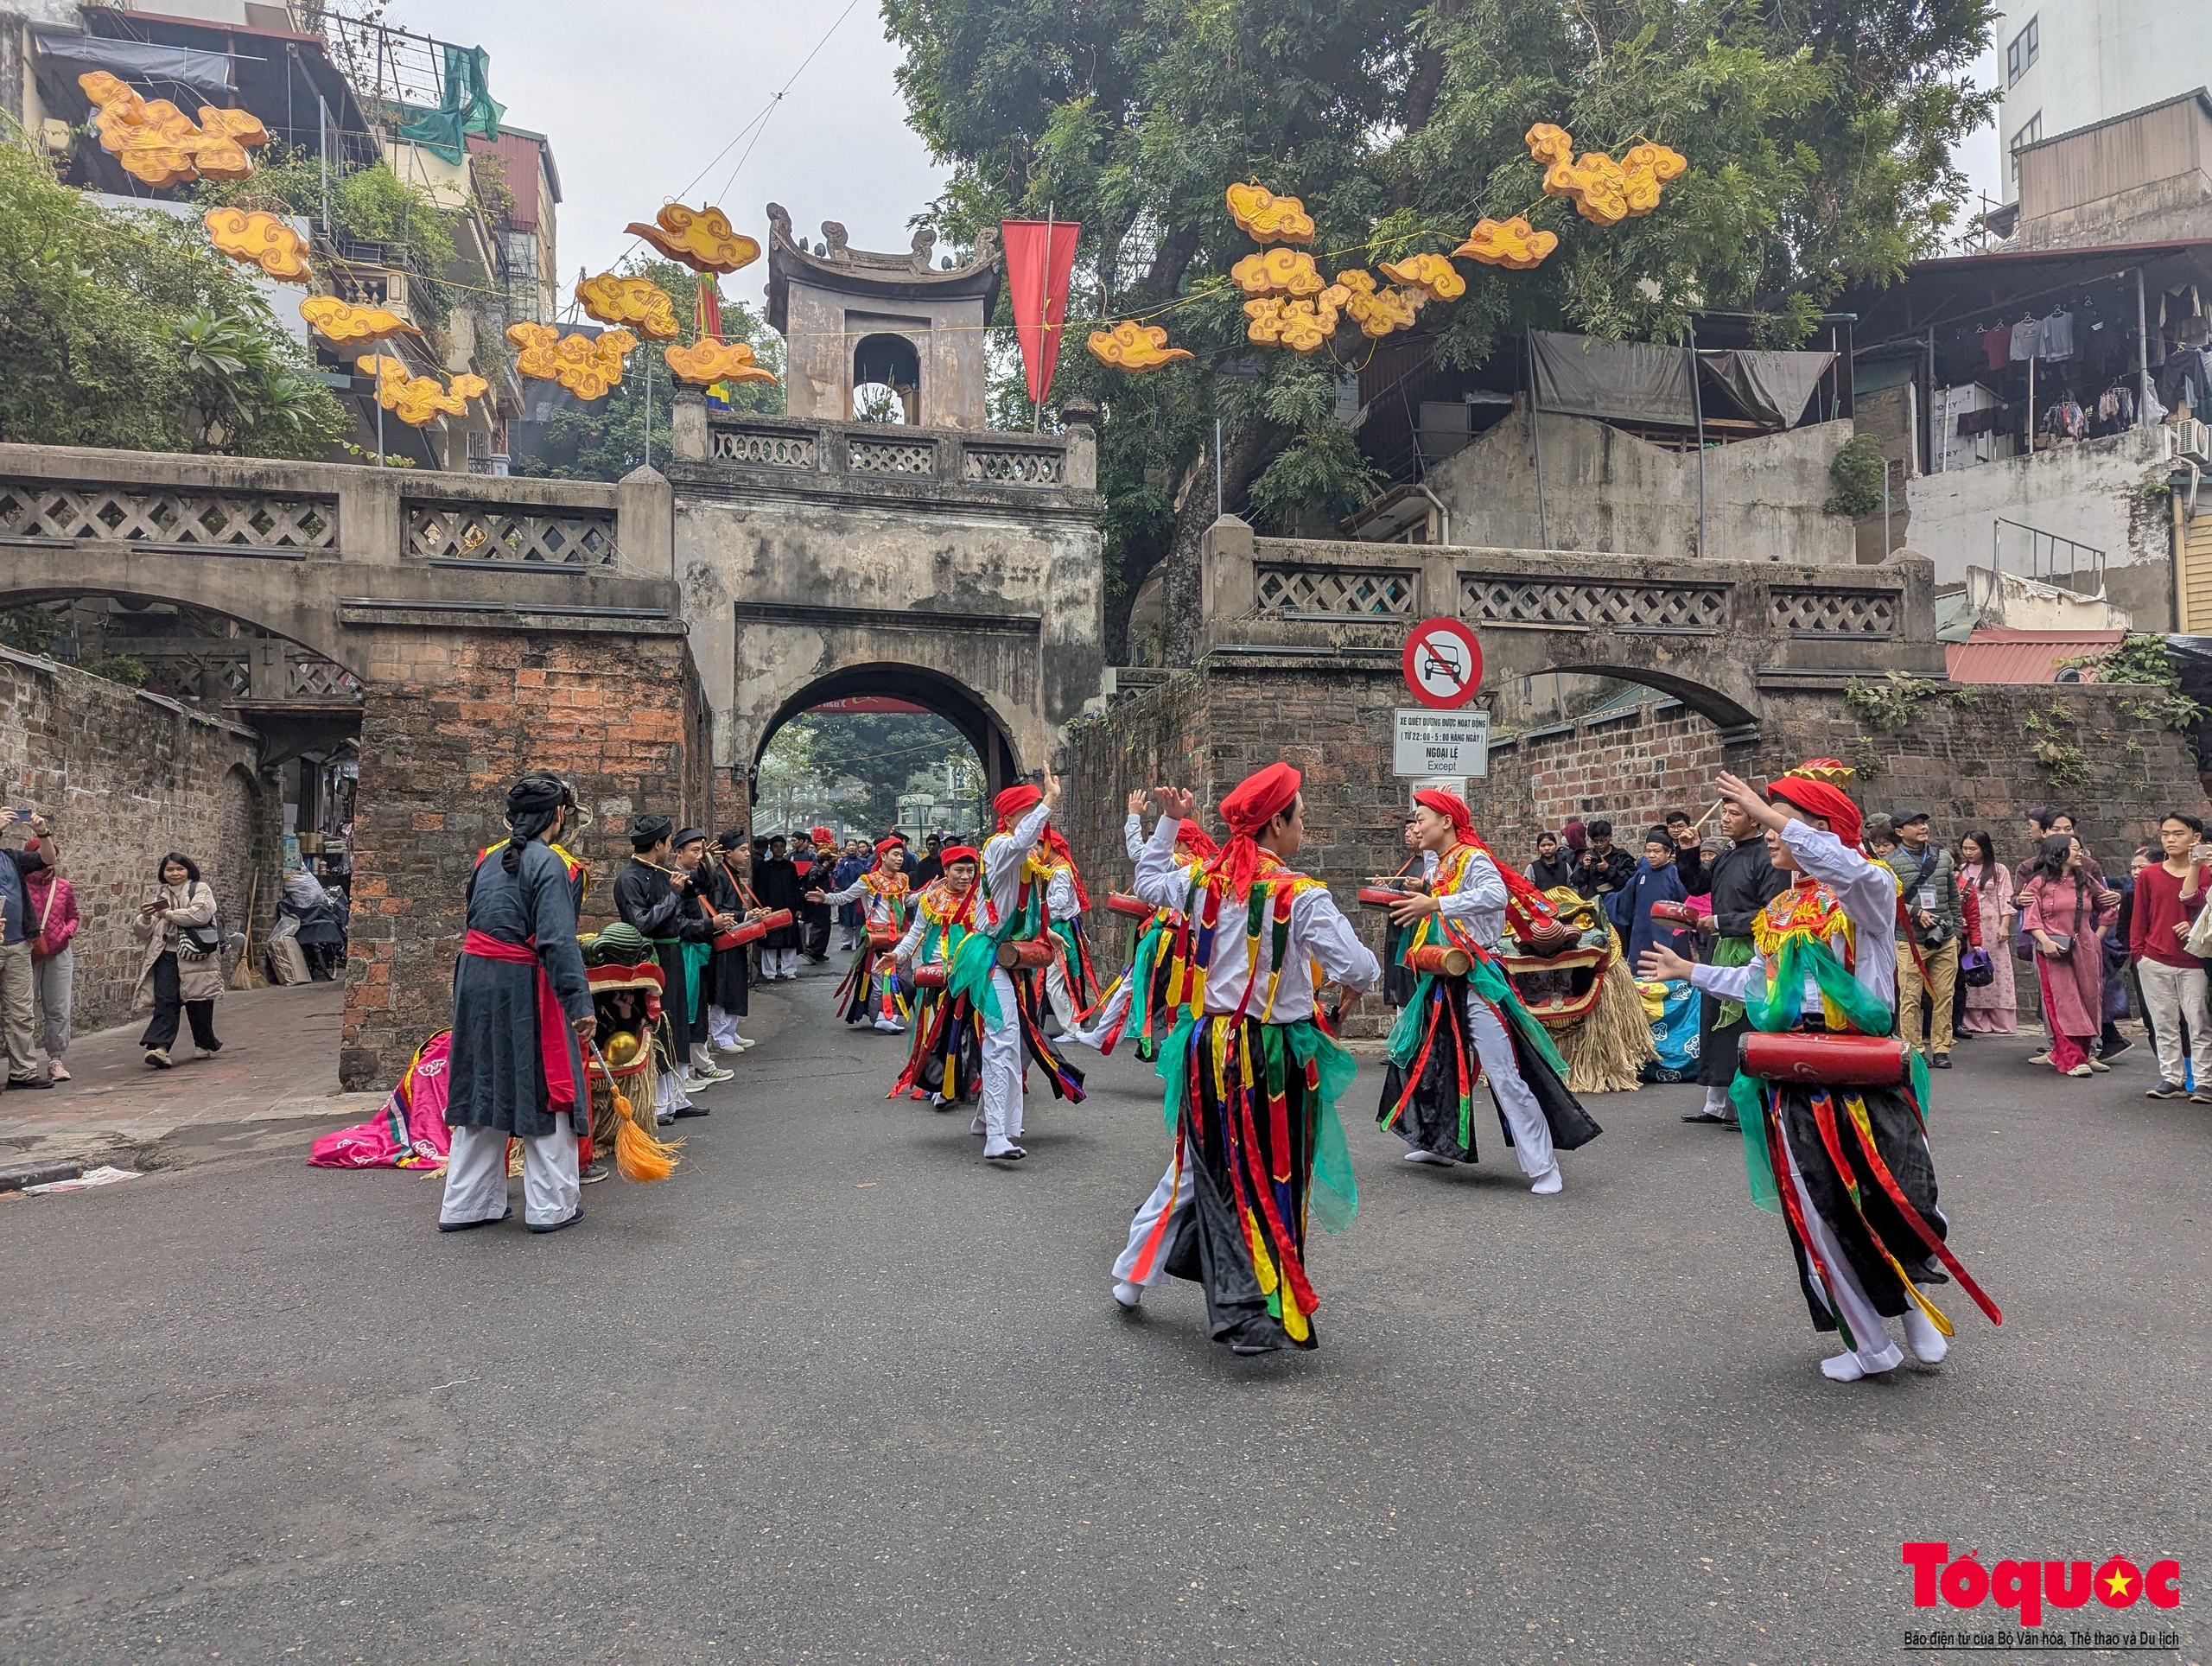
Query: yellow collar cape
(575, 868)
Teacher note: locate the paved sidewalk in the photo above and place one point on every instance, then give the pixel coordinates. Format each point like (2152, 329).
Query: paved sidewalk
(279, 1061)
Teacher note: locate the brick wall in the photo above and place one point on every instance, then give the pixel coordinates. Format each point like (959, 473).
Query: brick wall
(125, 778)
(1628, 767)
(452, 718)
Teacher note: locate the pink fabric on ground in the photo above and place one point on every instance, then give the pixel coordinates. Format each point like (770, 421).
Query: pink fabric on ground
(408, 1131)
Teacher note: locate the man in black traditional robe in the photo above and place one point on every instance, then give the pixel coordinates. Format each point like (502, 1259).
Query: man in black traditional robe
(776, 883)
(520, 1006)
(662, 907)
(728, 983)
(1743, 881)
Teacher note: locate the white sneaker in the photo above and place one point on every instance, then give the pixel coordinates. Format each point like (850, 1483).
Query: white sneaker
(1548, 1182)
(1129, 1295)
(1422, 1155)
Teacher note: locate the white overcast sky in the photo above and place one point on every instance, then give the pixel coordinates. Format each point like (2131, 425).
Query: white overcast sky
(634, 114)
(636, 109)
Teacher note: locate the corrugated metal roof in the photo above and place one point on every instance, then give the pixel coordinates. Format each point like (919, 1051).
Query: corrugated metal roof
(1995, 654)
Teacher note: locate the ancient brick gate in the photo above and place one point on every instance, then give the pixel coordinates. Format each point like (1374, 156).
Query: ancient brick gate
(1300, 660)
(934, 560)
(480, 627)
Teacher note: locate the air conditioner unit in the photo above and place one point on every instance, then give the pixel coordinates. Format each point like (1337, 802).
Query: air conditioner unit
(2193, 441)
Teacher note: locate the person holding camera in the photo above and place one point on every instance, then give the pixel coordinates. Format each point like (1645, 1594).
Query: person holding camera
(184, 960)
(19, 1023)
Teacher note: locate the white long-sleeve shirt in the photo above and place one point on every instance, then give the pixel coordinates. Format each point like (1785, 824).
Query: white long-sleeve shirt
(1477, 906)
(1319, 932)
(1003, 856)
(1133, 836)
(880, 911)
(1868, 891)
(1062, 900)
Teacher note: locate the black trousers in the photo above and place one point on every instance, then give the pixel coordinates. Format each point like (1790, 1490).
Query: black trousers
(161, 1033)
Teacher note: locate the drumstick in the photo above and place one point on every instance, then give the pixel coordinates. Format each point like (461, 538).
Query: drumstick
(1708, 817)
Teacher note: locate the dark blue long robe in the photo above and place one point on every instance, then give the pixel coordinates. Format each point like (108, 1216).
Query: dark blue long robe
(498, 1072)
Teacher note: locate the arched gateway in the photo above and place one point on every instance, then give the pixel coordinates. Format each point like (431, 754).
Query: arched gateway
(942, 563)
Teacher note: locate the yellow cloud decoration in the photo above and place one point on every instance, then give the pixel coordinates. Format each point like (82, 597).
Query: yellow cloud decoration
(1378, 311)
(1434, 275)
(260, 239)
(639, 300)
(586, 367)
(1134, 347)
(1549, 144)
(709, 362)
(1304, 326)
(159, 145)
(1266, 218)
(1648, 167)
(703, 238)
(350, 326)
(418, 400)
(1277, 272)
(1596, 183)
(1513, 243)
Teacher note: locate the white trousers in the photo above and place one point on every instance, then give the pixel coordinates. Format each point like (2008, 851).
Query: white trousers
(1172, 1193)
(1061, 997)
(722, 1028)
(1532, 1135)
(779, 962)
(1002, 1070)
(476, 1176)
(1840, 1289)
(2173, 996)
(1108, 1015)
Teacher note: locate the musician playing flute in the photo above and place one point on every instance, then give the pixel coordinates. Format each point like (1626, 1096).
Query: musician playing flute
(663, 903)
(1843, 1158)
(1460, 1024)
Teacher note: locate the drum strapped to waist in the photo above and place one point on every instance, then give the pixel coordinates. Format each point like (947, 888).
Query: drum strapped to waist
(1380, 896)
(882, 942)
(930, 976)
(1438, 960)
(751, 931)
(1674, 913)
(1122, 902)
(1815, 1058)
(1025, 954)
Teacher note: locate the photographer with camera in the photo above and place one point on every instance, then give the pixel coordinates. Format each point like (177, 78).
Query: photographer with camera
(184, 960)
(19, 1022)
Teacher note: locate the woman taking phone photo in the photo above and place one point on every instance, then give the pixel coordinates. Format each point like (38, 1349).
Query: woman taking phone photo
(184, 960)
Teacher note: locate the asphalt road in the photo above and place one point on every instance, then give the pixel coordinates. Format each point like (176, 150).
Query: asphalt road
(839, 1391)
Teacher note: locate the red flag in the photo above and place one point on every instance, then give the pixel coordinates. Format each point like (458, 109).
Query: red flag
(1038, 276)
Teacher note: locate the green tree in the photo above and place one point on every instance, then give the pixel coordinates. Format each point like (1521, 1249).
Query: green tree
(126, 330)
(605, 439)
(1819, 136)
(866, 759)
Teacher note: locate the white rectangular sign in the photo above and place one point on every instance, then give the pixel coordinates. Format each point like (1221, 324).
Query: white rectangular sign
(1441, 743)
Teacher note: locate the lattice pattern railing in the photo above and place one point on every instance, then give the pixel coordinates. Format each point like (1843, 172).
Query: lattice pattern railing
(893, 457)
(762, 450)
(252, 520)
(1337, 591)
(1657, 607)
(468, 531)
(322, 680)
(1011, 466)
(1836, 613)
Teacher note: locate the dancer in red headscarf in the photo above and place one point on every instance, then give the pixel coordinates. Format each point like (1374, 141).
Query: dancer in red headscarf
(945, 1062)
(1252, 1079)
(1162, 949)
(870, 987)
(1460, 1023)
(1835, 1137)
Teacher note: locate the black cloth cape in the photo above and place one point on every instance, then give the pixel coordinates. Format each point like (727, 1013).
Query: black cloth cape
(776, 882)
(497, 1073)
(1432, 1119)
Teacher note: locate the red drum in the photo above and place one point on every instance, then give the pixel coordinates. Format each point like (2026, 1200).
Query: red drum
(1380, 896)
(1026, 954)
(1675, 913)
(1122, 902)
(883, 942)
(1809, 1057)
(1438, 960)
(751, 931)
(930, 977)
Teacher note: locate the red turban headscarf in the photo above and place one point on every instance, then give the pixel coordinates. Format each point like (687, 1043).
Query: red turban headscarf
(1256, 802)
(1016, 801)
(1196, 840)
(953, 853)
(1453, 809)
(895, 842)
(1804, 788)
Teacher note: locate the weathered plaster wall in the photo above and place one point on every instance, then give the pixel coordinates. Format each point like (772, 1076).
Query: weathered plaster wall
(2092, 492)
(1608, 491)
(124, 776)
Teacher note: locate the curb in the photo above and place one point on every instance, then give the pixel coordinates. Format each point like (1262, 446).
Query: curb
(23, 1174)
